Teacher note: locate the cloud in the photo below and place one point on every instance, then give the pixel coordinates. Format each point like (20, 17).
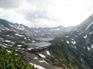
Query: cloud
(33, 10)
(8, 4)
(27, 12)
(13, 16)
(41, 13)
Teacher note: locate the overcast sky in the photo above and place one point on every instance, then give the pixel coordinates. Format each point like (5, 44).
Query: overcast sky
(42, 13)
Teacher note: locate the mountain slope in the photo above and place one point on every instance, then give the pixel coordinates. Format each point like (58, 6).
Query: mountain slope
(74, 50)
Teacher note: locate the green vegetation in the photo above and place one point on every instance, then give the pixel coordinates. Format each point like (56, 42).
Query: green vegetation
(64, 55)
(9, 60)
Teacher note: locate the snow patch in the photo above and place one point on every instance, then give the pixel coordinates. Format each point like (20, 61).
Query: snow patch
(72, 39)
(43, 56)
(19, 45)
(92, 46)
(25, 38)
(8, 51)
(67, 42)
(29, 49)
(88, 48)
(73, 42)
(7, 35)
(43, 61)
(85, 36)
(16, 54)
(35, 57)
(38, 66)
(4, 46)
(89, 25)
(19, 48)
(19, 35)
(33, 41)
(8, 41)
(48, 53)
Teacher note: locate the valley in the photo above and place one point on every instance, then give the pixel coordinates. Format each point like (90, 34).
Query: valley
(51, 48)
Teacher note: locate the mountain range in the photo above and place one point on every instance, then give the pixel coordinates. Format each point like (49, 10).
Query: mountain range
(51, 48)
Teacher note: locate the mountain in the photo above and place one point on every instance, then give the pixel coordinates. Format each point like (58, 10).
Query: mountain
(6, 25)
(51, 48)
(86, 24)
(22, 39)
(14, 33)
(74, 50)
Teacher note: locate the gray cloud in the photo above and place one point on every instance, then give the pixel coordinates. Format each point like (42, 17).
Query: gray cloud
(7, 4)
(34, 16)
(28, 12)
